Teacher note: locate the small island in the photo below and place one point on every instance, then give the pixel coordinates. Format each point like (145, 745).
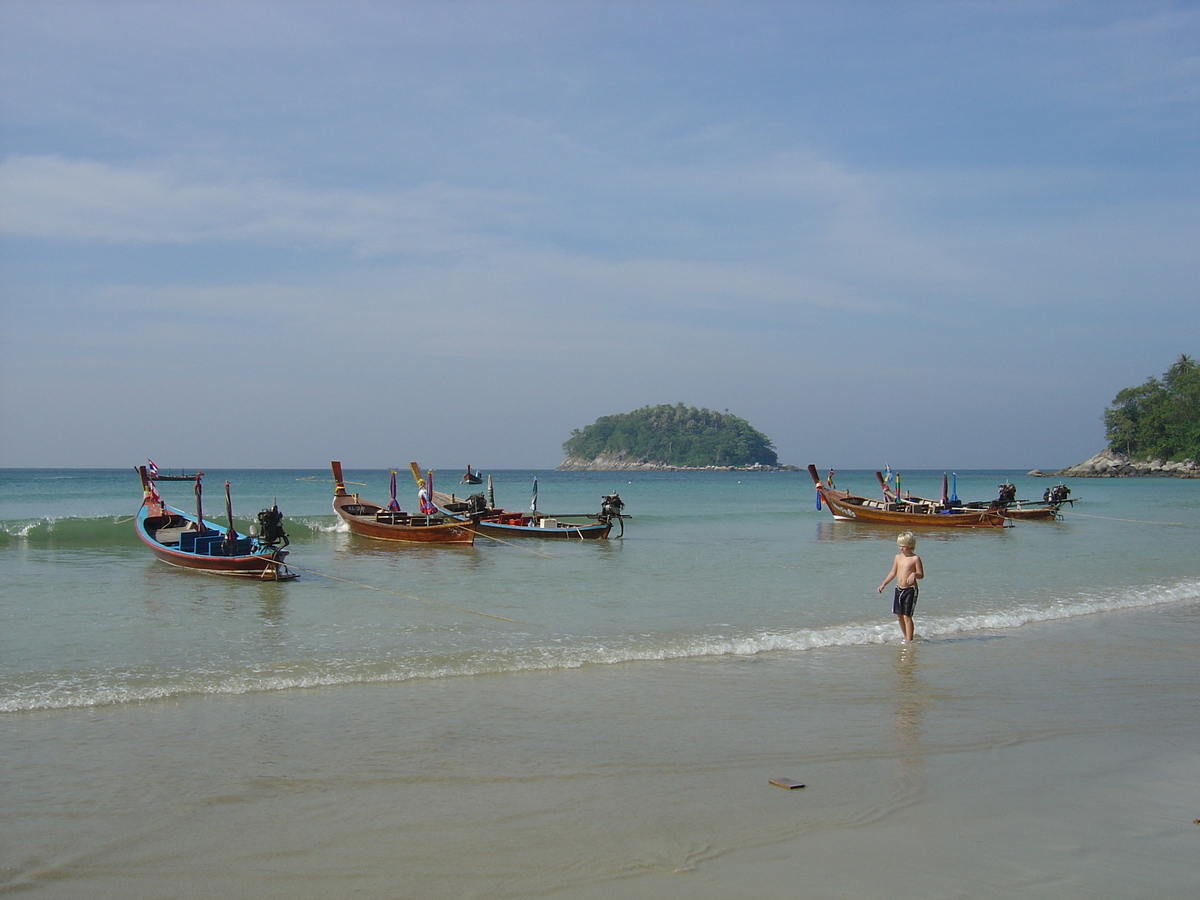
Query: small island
(1152, 429)
(670, 438)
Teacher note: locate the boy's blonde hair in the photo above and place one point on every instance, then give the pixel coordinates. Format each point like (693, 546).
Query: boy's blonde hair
(906, 539)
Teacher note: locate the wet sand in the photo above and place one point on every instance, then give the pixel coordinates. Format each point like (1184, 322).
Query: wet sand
(1054, 760)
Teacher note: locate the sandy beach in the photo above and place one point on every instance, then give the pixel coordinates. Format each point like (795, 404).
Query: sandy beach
(1054, 760)
(170, 735)
(648, 262)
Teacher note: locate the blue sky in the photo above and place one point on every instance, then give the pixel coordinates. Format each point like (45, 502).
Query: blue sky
(938, 235)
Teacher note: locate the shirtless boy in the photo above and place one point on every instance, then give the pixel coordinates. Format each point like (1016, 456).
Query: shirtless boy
(906, 569)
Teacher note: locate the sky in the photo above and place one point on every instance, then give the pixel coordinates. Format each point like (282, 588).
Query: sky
(271, 234)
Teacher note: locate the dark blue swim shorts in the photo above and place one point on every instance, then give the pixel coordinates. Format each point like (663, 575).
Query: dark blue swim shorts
(904, 601)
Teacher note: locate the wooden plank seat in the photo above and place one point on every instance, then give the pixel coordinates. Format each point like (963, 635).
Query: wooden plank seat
(169, 536)
(392, 517)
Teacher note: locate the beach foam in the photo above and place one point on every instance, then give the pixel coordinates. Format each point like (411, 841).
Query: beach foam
(103, 687)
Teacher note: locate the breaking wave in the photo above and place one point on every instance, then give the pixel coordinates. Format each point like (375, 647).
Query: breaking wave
(84, 533)
(107, 687)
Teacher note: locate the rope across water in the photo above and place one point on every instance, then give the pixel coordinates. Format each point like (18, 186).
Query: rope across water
(371, 587)
(1134, 521)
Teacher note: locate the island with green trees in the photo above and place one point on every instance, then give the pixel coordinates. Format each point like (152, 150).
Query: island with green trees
(1152, 429)
(670, 438)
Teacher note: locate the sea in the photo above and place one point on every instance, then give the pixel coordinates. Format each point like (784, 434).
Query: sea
(594, 719)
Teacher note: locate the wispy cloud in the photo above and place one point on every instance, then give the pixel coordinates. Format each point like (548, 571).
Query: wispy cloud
(56, 198)
(777, 208)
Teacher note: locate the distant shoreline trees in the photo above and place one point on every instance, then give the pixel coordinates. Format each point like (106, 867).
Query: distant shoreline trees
(673, 436)
(1159, 419)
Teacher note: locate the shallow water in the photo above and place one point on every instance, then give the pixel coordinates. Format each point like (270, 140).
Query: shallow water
(169, 733)
(710, 565)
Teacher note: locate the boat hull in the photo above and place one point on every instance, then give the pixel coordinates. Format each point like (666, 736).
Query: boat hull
(1010, 509)
(263, 564)
(381, 524)
(562, 531)
(501, 524)
(848, 507)
(1041, 513)
(362, 520)
(850, 511)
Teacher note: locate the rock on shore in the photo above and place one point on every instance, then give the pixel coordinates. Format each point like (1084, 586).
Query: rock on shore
(621, 464)
(1107, 464)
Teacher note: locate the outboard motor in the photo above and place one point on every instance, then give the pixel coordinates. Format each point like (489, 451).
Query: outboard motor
(270, 525)
(1008, 493)
(1057, 494)
(476, 504)
(611, 506)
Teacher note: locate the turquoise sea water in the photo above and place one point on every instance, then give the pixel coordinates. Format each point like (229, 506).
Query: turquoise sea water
(710, 564)
(732, 625)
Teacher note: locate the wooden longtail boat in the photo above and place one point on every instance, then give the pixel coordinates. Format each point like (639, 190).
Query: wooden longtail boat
(1029, 513)
(499, 523)
(1005, 504)
(1053, 500)
(389, 523)
(913, 513)
(192, 542)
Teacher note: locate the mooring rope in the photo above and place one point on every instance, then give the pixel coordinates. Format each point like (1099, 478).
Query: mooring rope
(371, 587)
(1133, 521)
(488, 537)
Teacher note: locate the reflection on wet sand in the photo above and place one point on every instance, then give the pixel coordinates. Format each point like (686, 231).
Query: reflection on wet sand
(910, 710)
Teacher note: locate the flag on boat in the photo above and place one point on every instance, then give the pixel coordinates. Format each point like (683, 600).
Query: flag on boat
(151, 468)
(533, 502)
(393, 504)
(887, 474)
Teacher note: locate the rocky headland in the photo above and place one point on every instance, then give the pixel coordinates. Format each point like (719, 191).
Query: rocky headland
(605, 463)
(1108, 464)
